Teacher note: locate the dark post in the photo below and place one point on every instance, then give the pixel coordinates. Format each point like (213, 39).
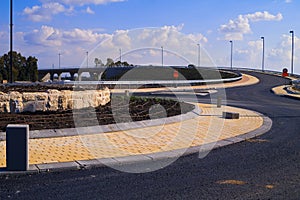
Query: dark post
(199, 55)
(17, 137)
(293, 48)
(87, 59)
(162, 56)
(11, 43)
(59, 60)
(263, 54)
(231, 42)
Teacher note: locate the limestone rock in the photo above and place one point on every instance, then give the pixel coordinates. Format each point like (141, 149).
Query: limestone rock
(53, 96)
(52, 100)
(29, 106)
(105, 97)
(15, 102)
(4, 97)
(15, 95)
(4, 107)
(28, 96)
(66, 100)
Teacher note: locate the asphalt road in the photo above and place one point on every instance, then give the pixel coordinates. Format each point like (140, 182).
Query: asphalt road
(265, 168)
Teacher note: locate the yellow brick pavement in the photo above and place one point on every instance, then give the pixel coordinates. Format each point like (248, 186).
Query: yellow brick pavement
(208, 127)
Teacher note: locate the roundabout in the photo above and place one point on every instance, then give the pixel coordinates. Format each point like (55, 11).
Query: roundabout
(203, 129)
(260, 168)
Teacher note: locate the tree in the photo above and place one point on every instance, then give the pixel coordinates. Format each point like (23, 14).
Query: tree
(24, 69)
(122, 64)
(118, 64)
(110, 62)
(98, 62)
(3, 70)
(17, 63)
(32, 69)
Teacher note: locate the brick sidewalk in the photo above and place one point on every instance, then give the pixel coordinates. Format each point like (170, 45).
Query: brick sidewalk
(207, 128)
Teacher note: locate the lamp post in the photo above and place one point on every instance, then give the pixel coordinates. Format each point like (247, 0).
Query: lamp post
(59, 60)
(231, 42)
(11, 44)
(87, 59)
(263, 54)
(120, 50)
(293, 48)
(199, 54)
(162, 56)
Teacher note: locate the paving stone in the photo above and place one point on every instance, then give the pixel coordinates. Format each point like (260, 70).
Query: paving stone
(132, 159)
(90, 163)
(32, 170)
(57, 166)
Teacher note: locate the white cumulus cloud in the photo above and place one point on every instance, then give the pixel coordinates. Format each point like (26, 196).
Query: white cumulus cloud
(83, 2)
(49, 8)
(144, 46)
(140, 46)
(52, 37)
(237, 28)
(45, 11)
(45, 36)
(264, 16)
(283, 51)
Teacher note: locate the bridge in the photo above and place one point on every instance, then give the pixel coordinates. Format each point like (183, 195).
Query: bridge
(50, 73)
(96, 72)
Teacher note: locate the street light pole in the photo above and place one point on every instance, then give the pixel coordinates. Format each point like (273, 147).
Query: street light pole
(120, 50)
(231, 42)
(59, 60)
(263, 54)
(87, 59)
(11, 43)
(293, 48)
(199, 55)
(162, 56)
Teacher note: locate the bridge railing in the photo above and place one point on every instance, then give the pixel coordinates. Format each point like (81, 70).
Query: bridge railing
(154, 82)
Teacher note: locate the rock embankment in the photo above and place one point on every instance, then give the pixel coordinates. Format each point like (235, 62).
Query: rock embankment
(52, 100)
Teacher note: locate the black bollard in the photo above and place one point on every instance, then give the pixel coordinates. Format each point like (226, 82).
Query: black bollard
(17, 137)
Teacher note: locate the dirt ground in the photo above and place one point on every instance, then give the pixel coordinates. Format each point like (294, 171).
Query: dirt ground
(118, 110)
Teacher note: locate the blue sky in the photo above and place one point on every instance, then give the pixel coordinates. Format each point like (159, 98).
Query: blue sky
(45, 28)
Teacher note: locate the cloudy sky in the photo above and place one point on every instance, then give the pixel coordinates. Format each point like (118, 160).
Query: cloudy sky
(140, 29)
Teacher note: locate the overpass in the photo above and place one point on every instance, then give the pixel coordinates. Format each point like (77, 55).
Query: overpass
(94, 72)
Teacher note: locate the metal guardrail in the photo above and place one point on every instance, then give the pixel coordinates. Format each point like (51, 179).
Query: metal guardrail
(154, 82)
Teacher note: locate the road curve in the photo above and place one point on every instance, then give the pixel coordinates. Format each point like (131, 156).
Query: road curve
(267, 167)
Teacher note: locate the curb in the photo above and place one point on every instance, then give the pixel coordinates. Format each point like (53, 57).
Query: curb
(286, 95)
(140, 159)
(56, 133)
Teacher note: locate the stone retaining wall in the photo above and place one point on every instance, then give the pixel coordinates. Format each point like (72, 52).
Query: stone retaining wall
(52, 100)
